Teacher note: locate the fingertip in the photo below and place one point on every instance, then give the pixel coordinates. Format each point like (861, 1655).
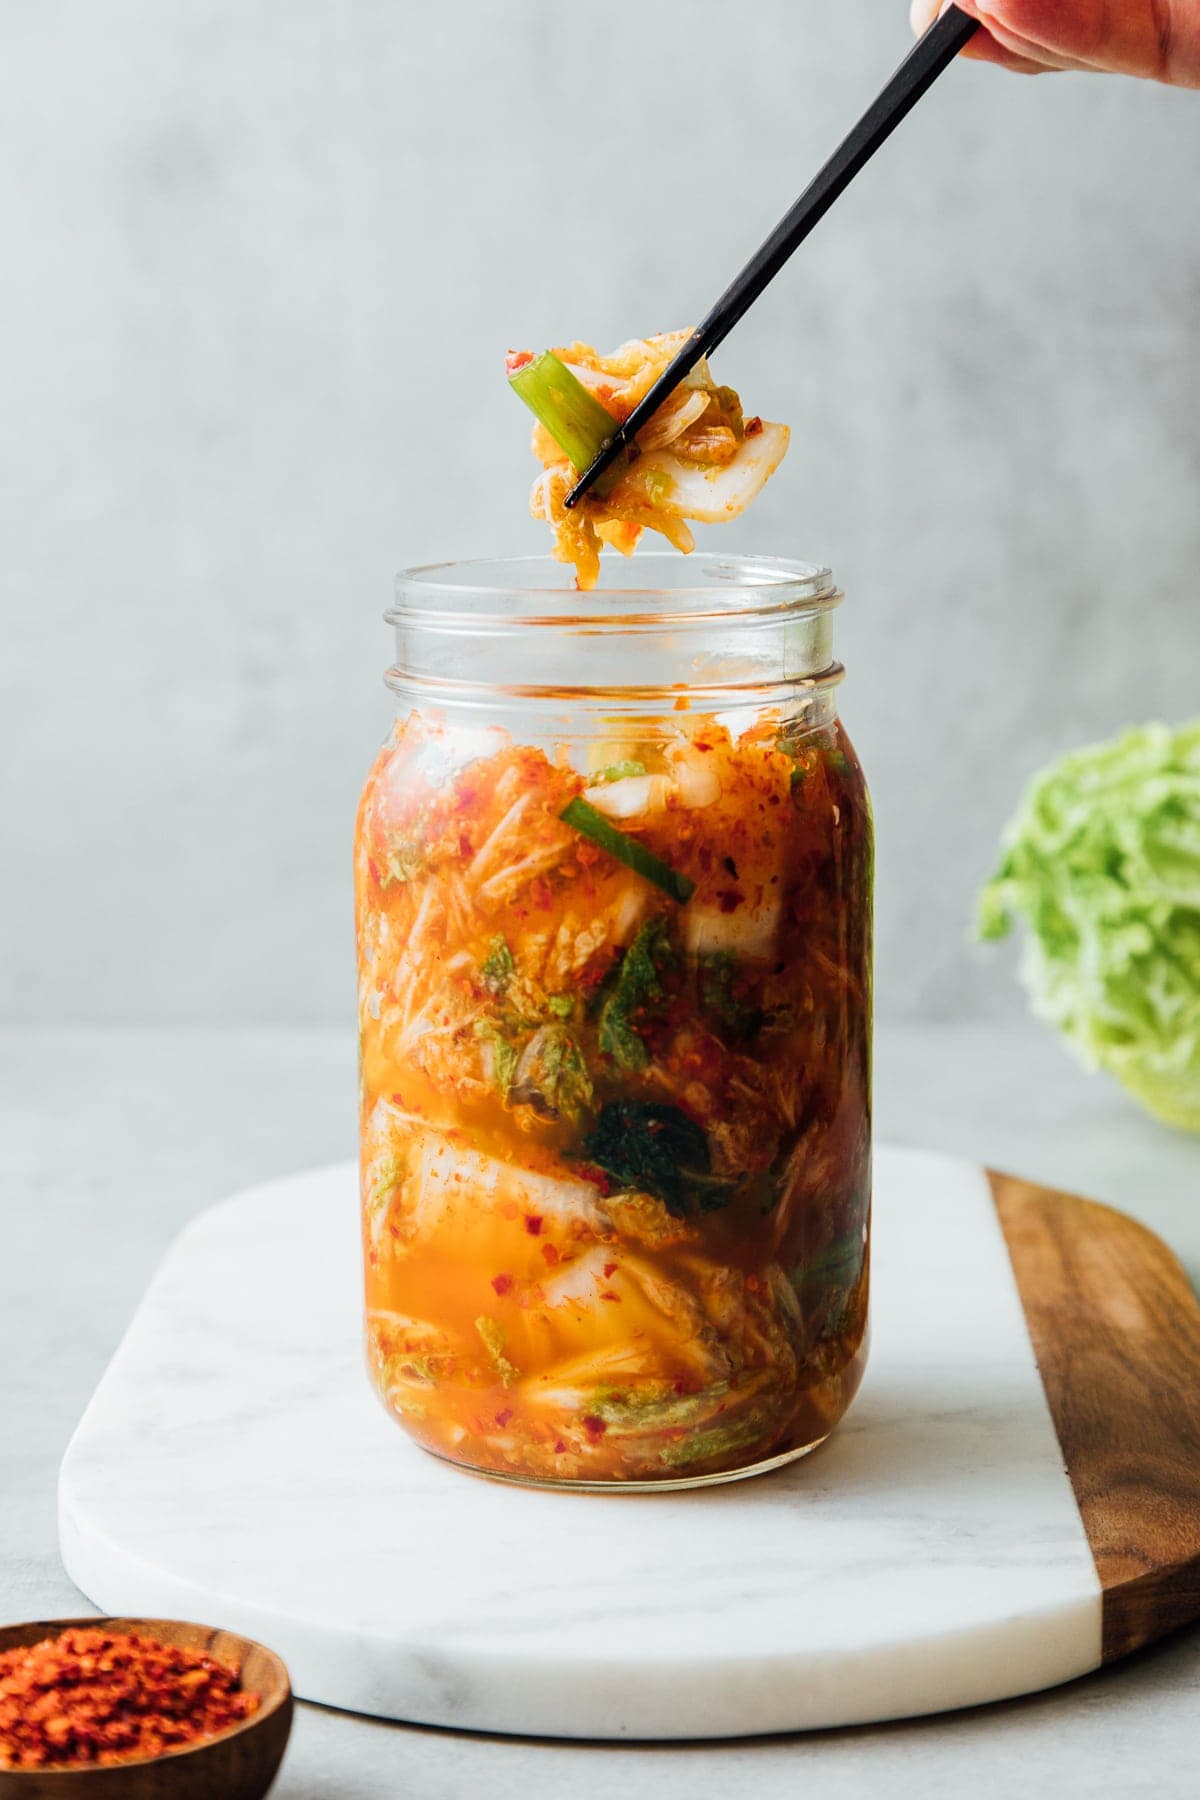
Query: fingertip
(922, 13)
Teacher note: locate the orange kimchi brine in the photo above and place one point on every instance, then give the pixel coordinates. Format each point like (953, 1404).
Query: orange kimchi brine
(614, 915)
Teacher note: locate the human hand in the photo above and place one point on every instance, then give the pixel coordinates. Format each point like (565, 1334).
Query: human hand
(1158, 39)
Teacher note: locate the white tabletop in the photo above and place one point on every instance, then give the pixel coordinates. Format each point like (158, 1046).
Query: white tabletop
(110, 1140)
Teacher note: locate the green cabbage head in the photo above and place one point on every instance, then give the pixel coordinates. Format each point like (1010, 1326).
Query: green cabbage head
(1102, 862)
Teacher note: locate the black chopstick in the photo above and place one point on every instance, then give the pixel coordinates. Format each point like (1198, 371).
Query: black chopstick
(934, 51)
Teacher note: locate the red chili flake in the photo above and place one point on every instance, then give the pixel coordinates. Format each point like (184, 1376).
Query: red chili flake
(560, 1449)
(533, 1224)
(729, 900)
(90, 1696)
(753, 426)
(502, 1283)
(610, 1270)
(550, 1254)
(596, 1176)
(517, 359)
(541, 893)
(594, 1427)
(607, 1295)
(502, 1418)
(374, 868)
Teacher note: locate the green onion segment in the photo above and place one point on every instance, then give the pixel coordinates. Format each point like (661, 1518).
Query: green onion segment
(584, 818)
(572, 415)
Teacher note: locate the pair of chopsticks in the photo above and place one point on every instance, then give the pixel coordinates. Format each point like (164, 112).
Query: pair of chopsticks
(932, 53)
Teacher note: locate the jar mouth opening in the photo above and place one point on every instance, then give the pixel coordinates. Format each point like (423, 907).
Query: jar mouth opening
(661, 588)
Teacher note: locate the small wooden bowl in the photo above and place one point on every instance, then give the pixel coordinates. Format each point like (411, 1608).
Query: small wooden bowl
(239, 1765)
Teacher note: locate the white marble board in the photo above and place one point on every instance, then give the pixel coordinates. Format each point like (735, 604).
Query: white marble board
(234, 1467)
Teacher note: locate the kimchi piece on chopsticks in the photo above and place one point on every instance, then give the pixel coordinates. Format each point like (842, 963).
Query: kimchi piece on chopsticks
(700, 458)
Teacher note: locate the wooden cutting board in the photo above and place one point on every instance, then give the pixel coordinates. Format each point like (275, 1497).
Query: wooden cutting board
(1115, 1329)
(1013, 1499)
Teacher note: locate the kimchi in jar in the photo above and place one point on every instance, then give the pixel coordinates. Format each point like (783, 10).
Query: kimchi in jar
(613, 878)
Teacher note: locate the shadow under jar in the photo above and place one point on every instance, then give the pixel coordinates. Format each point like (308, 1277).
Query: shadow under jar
(613, 878)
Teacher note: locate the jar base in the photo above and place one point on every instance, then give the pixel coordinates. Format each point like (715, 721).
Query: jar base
(667, 1484)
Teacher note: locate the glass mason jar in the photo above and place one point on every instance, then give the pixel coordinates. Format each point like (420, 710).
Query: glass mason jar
(613, 875)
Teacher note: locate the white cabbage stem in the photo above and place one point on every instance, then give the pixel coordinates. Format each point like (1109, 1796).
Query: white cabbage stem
(629, 797)
(673, 418)
(692, 491)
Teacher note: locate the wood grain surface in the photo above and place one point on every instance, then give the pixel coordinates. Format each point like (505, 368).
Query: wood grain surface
(238, 1765)
(1115, 1328)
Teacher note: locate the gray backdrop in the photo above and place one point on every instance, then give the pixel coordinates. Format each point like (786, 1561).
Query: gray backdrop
(252, 249)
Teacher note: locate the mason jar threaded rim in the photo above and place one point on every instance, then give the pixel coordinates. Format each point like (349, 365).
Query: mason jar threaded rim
(450, 594)
(750, 629)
